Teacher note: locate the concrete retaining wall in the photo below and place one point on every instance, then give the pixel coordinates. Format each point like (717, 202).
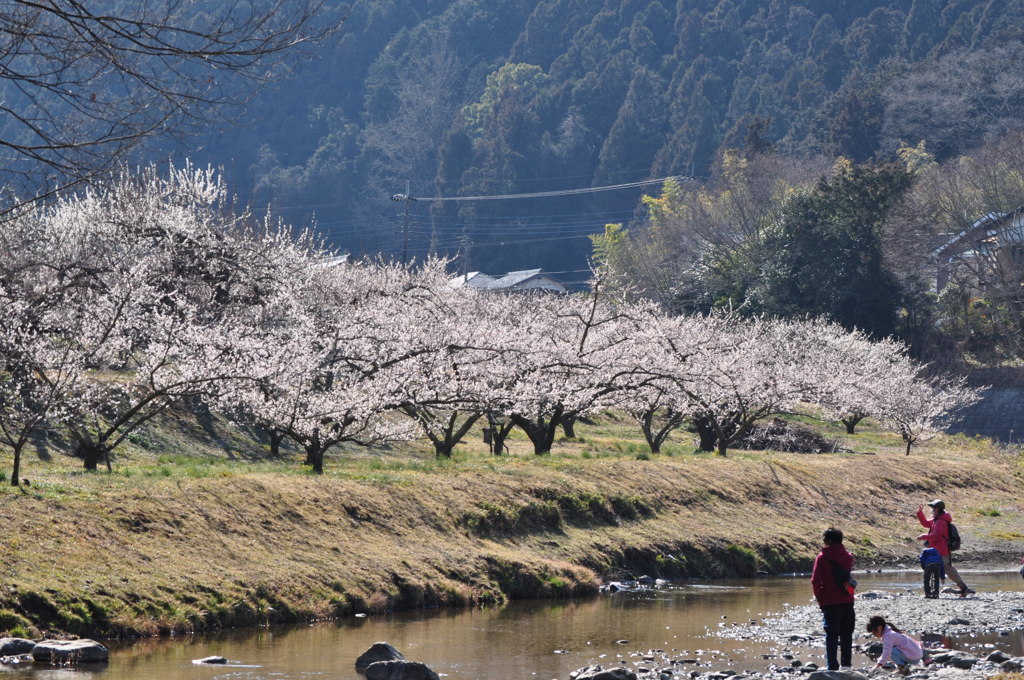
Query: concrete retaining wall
(999, 414)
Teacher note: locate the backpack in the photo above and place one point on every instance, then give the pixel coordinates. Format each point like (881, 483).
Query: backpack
(843, 578)
(953, 537)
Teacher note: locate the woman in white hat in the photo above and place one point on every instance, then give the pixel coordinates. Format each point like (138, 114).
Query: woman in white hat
(938, 535)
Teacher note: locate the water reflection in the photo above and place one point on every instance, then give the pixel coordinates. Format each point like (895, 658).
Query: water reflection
(522, 641)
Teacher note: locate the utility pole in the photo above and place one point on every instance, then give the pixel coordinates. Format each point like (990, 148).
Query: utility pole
(464, 249)
(407, 199)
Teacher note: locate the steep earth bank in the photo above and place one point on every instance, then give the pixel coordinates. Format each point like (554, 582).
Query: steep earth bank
(116, 555)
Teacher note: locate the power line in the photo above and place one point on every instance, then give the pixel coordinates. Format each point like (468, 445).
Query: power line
(519, 223)
(447, 227)
(563, 192)
(523, 228)
(521, 216)
(541, 194)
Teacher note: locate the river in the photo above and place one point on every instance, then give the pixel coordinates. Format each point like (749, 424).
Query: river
(522, 641)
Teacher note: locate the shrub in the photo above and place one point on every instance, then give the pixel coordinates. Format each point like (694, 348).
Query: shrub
(742, 561)
(14, 625)
(630, 507)
(494, 519)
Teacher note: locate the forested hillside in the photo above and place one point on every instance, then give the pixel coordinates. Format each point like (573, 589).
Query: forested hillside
(472, 97)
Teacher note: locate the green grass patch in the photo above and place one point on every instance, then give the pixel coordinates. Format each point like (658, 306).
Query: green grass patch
(15, 625)
(741, 560)
(631, 506)
(1008, 535)
(495, 520)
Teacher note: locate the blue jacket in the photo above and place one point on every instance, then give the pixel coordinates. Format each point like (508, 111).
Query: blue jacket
(932, 556)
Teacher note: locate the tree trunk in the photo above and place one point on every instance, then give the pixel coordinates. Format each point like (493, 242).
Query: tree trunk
(90, 453)
(851, 423)
(541, 437)
(541, 433)
(16, 471)
(276, 437)
(498, 437)
(442, 448)
(732, 430)
(315, 457)
(499, 433)
(543, 440)
(569, 427)
(646, 426)
(910, 442)
(707, 434)
(453, 434)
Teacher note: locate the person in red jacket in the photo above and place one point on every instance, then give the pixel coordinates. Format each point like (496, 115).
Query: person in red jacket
(833, 589)
(938, 533)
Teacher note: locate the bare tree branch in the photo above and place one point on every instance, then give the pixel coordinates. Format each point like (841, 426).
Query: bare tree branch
(83, 82)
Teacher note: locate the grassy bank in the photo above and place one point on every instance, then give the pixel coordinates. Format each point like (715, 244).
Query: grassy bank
(193, 530)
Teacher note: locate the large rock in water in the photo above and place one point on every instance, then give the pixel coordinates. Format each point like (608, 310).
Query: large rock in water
(399, 670)
(837, 675)
(69, 651)
(599, 673)
(380, 651)
(15, 646)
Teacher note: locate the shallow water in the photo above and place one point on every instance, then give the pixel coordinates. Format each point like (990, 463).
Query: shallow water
(525, 640)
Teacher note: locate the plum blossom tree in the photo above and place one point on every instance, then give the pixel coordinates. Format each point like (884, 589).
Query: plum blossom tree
(846, 370)
(123, 300)
(139, 283)
(751, 370)
(656, 408)
(659, 373)
(460, 380)
(356, 344)
(919, 407)
(568, 361)
(852, 377)
(53, 329)
(185, 271)
(38, 376)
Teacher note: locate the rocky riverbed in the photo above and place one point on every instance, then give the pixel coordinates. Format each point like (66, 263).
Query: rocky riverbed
(988, 612)
(797, 640)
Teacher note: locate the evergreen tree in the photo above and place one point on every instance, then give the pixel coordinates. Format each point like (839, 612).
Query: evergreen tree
(637, 134)
(825, 254)
(922, 30)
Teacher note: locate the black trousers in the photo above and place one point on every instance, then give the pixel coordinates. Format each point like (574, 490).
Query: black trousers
(931, 580)
(839, 621)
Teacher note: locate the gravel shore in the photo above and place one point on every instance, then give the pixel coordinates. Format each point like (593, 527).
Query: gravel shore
(989, 612)
(932, 621)
(796, 635)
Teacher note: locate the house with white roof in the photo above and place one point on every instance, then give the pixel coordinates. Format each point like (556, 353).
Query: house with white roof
(512, 282)
(990, 250)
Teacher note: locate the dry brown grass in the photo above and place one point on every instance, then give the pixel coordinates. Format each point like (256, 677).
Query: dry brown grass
(206, 538)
